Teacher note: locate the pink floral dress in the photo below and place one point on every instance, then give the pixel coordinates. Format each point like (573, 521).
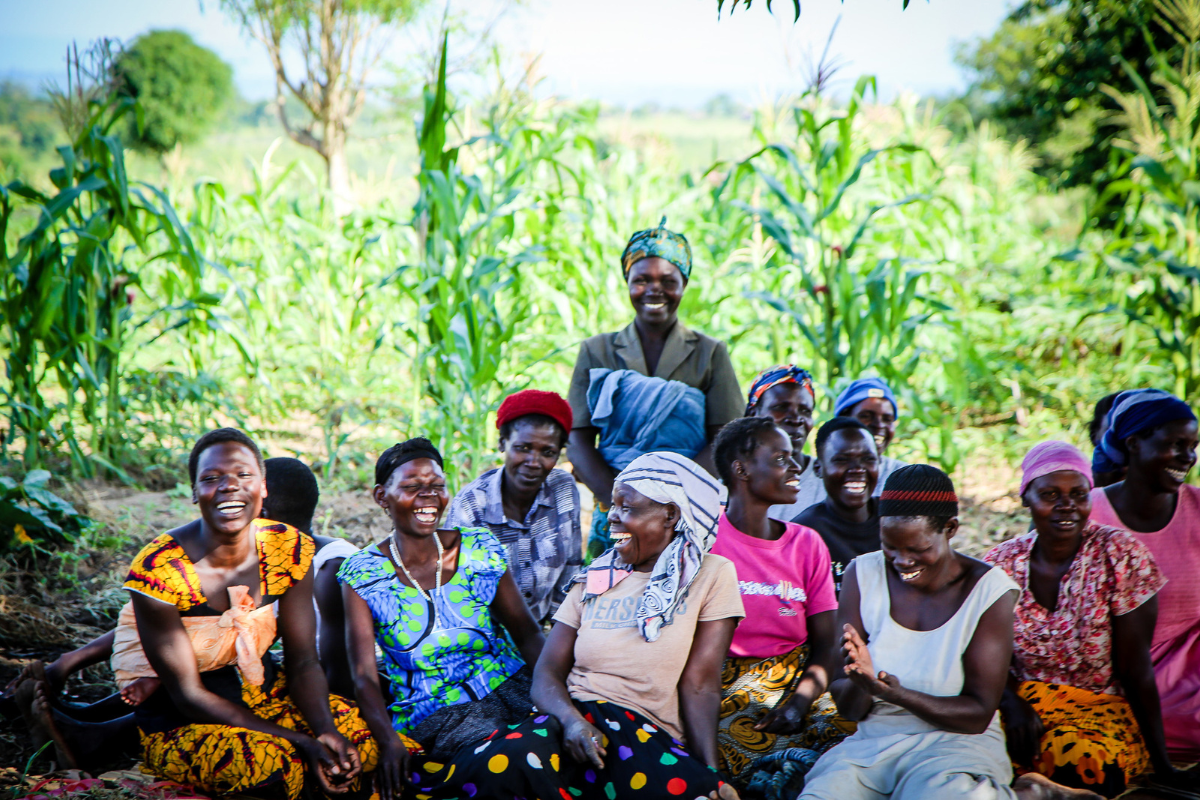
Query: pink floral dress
(1112, 574)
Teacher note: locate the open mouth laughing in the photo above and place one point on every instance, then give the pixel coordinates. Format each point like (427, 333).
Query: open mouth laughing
(619, 537)
(856, 487)
(654, 306)
(231, 508)
(1177, 474)
(427, 515)
(907, 577)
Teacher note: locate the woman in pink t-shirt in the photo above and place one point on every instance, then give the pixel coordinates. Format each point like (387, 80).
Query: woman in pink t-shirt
(1153, 435)
(773, 684)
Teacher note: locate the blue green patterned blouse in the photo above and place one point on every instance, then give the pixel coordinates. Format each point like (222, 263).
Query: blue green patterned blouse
(466, 658)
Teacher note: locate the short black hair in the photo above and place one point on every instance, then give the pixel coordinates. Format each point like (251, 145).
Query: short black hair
(221, 436)
(738, 439)
(534, 419)
(1102, 408)
(292, 493)
(401, 453)
(937, 522)
(833, 426)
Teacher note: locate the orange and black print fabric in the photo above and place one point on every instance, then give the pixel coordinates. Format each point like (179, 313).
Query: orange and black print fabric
(1092, 741)
(221, 759)
(753, 687)
(162, 569)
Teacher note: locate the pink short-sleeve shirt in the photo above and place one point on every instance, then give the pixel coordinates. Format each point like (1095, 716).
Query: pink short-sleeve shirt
(782, 582)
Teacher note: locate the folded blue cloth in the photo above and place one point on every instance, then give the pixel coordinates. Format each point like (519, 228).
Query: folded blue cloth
(637, 414)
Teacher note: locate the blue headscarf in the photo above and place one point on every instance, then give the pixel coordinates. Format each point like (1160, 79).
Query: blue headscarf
(864, 389)
(1134, 412)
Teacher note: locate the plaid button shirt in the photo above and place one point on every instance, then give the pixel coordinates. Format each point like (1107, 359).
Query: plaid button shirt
(544, 550)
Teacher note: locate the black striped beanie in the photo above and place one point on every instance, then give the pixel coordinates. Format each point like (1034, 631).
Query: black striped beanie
(918, 490)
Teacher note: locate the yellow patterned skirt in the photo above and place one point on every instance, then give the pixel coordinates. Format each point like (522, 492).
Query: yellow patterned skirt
(752, 687)
(1092, 741)
(221, 759)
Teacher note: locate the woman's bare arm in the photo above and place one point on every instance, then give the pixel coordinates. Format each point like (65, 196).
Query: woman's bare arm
(509, 607)
(853, 702)
(1132, 634)
(700, 687)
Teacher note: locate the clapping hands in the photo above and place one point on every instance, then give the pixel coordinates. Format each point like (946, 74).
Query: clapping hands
(861, 671)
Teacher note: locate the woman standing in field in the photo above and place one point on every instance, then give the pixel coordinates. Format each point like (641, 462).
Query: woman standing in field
(1153, 434)
(694, 391)
(204, 596)
(1081, 706)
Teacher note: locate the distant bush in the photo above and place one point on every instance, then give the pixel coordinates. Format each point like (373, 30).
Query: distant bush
(28, 129)
(181, 86)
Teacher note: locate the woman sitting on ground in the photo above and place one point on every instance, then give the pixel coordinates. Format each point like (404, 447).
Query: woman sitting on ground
(628, 686)
(848, 517)
(785, 395)
(1081, 684)
(773, 683)
(95, 737)
(927, 639)
(206, 597)
(653, 385)
(1153, 435)
(431, 598)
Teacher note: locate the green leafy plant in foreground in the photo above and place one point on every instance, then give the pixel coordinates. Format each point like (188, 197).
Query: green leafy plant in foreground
(33, 517)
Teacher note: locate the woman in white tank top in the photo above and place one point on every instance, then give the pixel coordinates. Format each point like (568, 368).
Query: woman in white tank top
(927, 640)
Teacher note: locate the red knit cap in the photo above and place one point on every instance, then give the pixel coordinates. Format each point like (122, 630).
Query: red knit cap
(535, 401)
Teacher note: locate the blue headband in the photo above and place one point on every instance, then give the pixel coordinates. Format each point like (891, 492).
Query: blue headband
(864, 389)
(1134, 412)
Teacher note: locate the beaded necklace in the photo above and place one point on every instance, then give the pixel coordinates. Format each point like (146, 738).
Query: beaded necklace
(437, 573)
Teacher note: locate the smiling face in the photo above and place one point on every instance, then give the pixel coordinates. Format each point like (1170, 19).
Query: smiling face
(530, 452)
(849, 467)
(655, 290)
(1164, 458)
(415, 497)
(229, 487)
(915, 549)
(770, 473)
(640, 527)
(1059, 503)
(791, 406)
(879, 415)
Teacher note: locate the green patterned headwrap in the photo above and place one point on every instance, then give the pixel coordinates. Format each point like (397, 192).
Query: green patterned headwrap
(661, 243)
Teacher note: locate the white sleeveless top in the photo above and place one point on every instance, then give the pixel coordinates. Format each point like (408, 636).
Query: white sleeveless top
(925, 661)
(338, 548)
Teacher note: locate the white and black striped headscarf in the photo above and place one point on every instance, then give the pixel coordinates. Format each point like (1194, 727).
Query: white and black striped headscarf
(664, 478)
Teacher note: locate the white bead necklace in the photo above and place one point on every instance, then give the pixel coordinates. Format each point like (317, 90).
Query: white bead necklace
(437, 574)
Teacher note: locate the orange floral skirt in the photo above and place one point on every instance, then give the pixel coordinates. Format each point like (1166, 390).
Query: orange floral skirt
(1092, 741)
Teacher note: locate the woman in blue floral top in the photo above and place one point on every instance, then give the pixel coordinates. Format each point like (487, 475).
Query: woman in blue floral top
(431, 599)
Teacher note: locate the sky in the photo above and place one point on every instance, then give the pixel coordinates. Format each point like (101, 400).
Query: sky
(675, 53)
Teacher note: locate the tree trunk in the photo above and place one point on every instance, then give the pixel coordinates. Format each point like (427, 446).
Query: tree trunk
(337, 168)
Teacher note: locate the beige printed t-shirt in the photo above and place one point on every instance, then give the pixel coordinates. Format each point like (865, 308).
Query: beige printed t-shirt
(614, 663)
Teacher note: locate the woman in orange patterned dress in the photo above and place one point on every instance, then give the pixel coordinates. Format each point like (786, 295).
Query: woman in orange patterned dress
(226, 720)
(1081, 705)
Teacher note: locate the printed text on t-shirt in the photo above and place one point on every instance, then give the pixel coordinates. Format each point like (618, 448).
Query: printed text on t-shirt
(784, 590)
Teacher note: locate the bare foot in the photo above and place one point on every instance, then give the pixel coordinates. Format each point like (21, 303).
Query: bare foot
(44, 729)
(33, 671)
(136, 693)
(725, 792)
(1033, 786)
